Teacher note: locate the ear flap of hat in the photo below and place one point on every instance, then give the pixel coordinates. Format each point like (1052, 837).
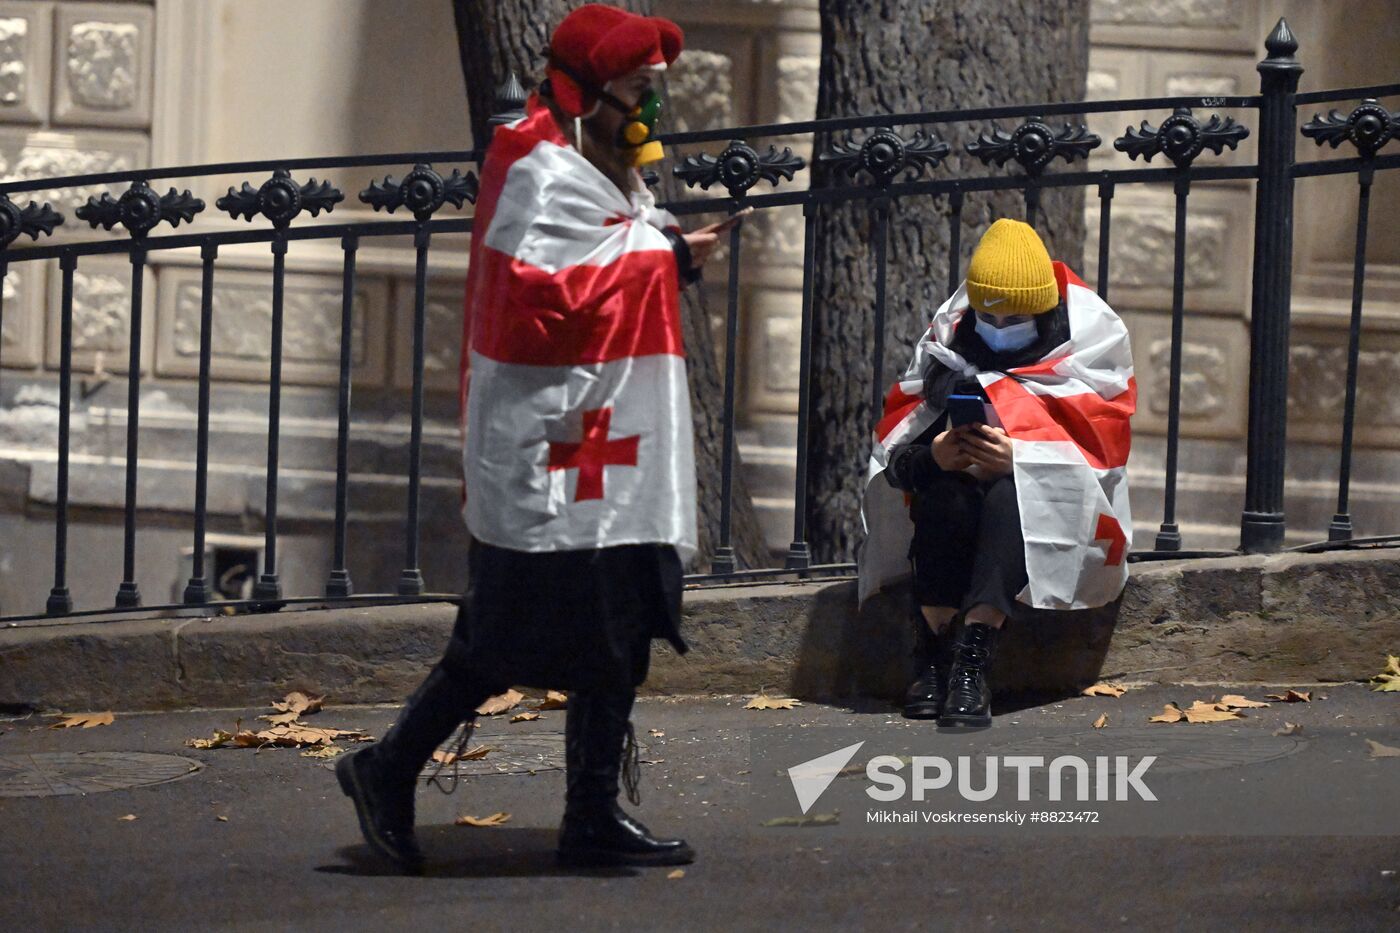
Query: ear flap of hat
(672, 39)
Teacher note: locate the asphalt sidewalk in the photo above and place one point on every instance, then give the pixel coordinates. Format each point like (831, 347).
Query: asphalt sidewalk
(262, 839)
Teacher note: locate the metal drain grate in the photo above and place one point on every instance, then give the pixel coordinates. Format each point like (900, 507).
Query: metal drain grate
(63, 774)
(1178, 747)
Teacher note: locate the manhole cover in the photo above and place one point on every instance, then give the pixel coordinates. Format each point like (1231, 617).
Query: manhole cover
(1178, 748)
(62, 774)
(539, 751)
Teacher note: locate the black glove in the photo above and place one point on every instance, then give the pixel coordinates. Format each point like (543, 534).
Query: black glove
(684, 260)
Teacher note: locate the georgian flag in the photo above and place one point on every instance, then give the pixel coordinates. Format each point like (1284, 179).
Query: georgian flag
(575, 404)
(1067, 417)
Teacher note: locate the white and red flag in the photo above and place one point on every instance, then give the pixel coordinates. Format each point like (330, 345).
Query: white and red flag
(575, 404)
(1068, 420)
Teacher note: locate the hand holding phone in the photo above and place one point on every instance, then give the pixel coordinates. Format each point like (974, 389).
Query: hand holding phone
(964, 410)
(729, 223)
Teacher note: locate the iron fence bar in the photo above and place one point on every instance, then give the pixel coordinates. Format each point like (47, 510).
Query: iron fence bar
(799, 555)
(1169, 534)
(1347, 93)
(955, 202)
(834, 124)
(1315, 547)
(1262, 521)
(1105, 217)
(60, 601)
(340, 583)
(723, 560)
(1341, 528)
(252, 605)
(768, 573)
(197, 590)
(411, 580)
(269, 585)
(4, 272)
(880, 210)
(1032, 196)
(129, 593)
(1350, 166)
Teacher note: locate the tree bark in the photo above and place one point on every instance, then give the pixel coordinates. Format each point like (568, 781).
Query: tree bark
(498, 37)
(884, 56)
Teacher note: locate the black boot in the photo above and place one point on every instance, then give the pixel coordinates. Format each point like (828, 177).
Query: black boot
(969, 701)
(596, 831)
(383, 778)
(934, 655)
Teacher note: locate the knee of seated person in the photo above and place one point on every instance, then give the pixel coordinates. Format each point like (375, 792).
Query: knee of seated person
(946, 499)
(1001, 494)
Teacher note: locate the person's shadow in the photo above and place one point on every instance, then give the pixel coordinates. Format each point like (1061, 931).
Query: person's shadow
(464, 852)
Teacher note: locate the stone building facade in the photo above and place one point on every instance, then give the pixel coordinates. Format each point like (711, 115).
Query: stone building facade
(89, 86)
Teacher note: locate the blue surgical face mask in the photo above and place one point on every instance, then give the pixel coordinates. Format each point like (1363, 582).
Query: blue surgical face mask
(1007, 339)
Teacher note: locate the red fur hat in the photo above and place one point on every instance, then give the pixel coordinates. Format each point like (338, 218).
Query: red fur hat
(599, 43)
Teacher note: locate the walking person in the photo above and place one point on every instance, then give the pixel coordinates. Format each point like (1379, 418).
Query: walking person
(579, 457)
(1008, 436)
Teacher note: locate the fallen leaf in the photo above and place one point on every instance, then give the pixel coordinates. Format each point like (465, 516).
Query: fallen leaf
(1170, 713)
(678, 873)
(219, 739)
(763, 701)
(476, 754)
(1105, 689)
(85, 720)
(495, 819)
(1101, 721)
(445, 758)
(1202, 711)
(296, 734)
(1292, 696)
(299, 703)
(1382, 751)
(656, 732)
(527, 716)
(282, 719)
(1235, 701)
(129, 818)
(325, 751)
(221, 819)
(816, 819)
(553, 699)
(1388, 679)
(1289, 728)
(500, 703)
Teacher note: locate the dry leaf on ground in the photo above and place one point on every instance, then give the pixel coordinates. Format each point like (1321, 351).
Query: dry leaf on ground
(678, 873)
(1105, 689)
(299, 703)
(527, 716)
(495, 819)
(1388, 679)
(1170, 713)
(500, 703)
(1292, 696)
(291, 735)
(762, 701)
(1289, 728)
(1101, 721)
(1204, 711)
(282, 719)
(1382, 751)
(553, 699)
(325, 751)
(816, 819)
(656, 732)
(129, 818)
(221, 819)
(84, 720)
(1235, 701)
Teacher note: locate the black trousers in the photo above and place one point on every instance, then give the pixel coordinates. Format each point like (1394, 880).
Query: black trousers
(967, 546)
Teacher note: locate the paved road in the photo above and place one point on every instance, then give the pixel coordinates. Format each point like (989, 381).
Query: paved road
(288, 855)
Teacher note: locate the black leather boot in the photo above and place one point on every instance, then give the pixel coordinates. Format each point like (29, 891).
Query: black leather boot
(969, 701)
(596, 831)
(383, 778)
(934, 656)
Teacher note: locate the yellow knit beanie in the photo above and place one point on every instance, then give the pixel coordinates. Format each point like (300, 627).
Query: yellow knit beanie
(1010, 272)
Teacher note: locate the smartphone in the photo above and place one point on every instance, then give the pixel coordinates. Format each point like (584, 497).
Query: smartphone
(724, 226)
(966, 409)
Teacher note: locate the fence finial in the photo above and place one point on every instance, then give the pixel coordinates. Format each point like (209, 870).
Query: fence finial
(1281, 44)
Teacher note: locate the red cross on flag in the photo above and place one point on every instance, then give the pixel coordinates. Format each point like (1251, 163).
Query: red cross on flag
(574, 396)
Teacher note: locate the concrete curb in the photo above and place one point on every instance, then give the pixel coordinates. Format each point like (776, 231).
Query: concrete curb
(1280, 619)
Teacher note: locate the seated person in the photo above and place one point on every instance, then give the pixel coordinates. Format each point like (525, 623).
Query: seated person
(1016, 489)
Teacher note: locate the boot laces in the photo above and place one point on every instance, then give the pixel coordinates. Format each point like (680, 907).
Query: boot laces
(632, 767)
(458, 749)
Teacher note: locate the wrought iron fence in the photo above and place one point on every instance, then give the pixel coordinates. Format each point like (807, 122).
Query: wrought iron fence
(877, 165)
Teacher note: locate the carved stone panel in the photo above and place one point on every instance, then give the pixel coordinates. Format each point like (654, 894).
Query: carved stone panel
(772, 333)
(242, 337)
(1214, 374)
(101, 315)
(1185, 74)
(1201, 24)
(700, 90)
(1114, 74)
(24, 61)
(1219, 238)
(23, 327)
(1317, 387)
(104, 54)
(442, 344)
(46, 154)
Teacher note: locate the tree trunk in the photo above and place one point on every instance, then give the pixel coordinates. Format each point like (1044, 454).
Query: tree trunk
(500, 37)
(883, 56)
